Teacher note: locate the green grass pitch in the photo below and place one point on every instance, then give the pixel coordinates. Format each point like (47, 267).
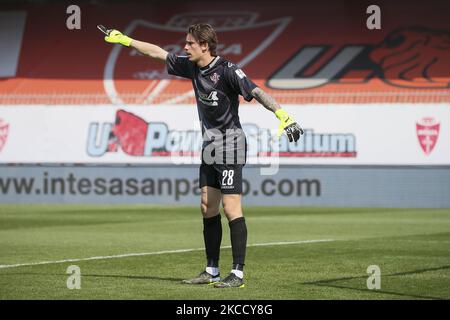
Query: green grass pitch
(410, 246)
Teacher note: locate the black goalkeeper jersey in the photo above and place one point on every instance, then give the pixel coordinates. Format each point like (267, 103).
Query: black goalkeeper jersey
(217, 88)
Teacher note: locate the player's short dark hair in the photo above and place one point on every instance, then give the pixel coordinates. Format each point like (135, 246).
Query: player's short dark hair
(204, 33)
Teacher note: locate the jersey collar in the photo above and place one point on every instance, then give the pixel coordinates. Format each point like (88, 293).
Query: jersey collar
(209, 66)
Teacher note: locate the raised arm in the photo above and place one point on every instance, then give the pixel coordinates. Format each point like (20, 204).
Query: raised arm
(287, 123)
(148, 49)
(151, 50)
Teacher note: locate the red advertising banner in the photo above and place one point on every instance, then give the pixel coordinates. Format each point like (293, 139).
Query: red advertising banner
(319, 52)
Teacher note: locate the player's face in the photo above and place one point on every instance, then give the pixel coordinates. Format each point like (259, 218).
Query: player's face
(193, 49)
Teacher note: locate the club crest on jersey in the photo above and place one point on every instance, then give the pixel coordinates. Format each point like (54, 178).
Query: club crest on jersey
(215, 78)
(209, 99)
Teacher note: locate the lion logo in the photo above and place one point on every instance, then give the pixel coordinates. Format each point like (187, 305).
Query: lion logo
(415, 57)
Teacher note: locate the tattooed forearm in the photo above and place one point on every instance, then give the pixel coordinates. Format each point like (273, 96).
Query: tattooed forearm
(267, 101)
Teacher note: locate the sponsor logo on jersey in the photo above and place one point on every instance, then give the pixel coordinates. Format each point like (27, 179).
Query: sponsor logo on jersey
(210, 99)
(427, 130)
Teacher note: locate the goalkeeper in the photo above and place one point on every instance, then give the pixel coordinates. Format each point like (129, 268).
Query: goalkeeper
(217, 84)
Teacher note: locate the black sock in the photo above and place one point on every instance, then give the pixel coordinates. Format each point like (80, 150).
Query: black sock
(212, 234)
(238, 233)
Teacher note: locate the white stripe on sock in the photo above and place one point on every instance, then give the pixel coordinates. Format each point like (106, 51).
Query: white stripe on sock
(238, 273)
(212, 271)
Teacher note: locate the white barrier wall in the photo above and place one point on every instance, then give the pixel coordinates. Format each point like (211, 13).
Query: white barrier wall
(392, 134)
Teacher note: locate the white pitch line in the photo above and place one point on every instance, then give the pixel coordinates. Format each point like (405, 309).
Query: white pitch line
(5, 266)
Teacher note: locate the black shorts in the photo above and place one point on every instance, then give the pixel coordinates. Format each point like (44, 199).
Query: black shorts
(225, 177)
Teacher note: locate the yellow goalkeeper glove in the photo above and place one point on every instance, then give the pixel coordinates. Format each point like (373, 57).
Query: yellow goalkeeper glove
(288, 124)
(116, 36)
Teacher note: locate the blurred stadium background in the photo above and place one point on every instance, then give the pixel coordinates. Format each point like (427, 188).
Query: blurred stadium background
(99, 150)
